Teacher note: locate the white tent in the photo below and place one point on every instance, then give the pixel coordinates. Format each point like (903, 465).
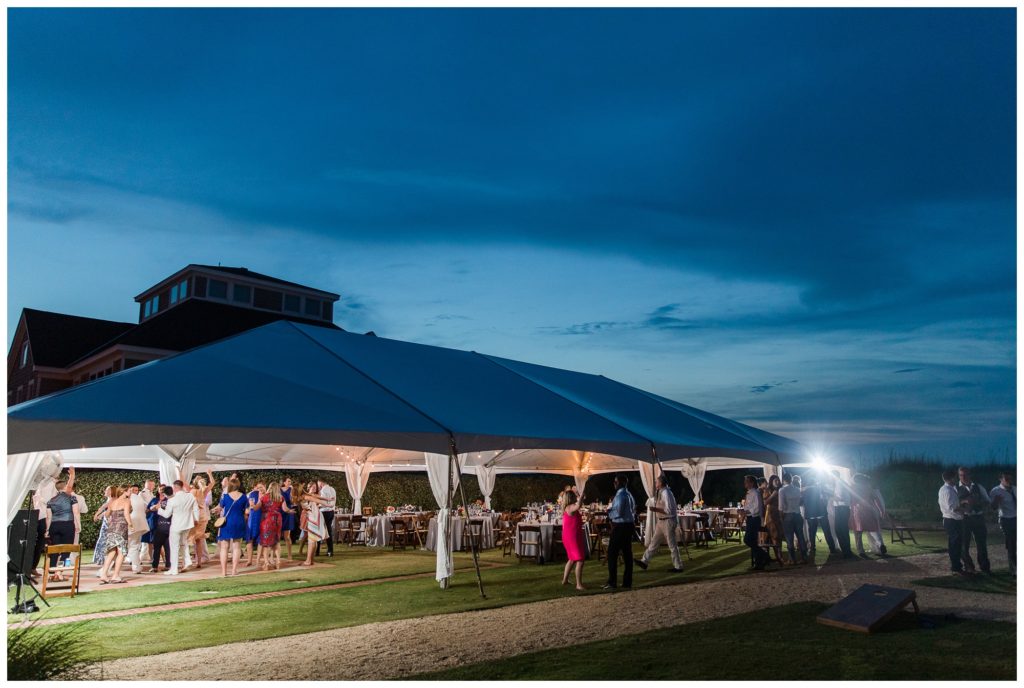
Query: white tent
(302, 396)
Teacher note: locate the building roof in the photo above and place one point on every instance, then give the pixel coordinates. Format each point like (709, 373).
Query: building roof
(246, 272)
(195, 322)
(58, 339)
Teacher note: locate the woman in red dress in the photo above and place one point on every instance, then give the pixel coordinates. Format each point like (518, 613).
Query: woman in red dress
(271, 504)
(572, 537)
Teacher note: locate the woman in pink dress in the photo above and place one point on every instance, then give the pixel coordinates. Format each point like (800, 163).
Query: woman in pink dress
(572, 537)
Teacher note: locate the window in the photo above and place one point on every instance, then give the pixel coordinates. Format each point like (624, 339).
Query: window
(174, 294)
(156, 304)
(24, 355)
(313, 307)
(292, 303)
(218, 289)
(200, 286)
(242, 293)
(183, 289)
(328, 310)
(265, 298)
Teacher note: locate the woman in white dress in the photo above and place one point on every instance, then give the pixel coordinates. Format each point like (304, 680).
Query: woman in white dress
(312, 520)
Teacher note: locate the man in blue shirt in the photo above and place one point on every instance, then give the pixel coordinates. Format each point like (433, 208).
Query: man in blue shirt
(621, 515)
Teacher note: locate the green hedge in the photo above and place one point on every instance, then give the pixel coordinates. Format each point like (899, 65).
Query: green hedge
(382, 489)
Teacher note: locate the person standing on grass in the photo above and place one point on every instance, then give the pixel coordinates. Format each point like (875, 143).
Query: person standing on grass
(816, 514)
(622, 516)
(773, 516)
(160, 529)
(952, 521)
(842, 495)
(271, 506)
(83, 509)
(1004, 498)
(753, 505)
(183, 511)
(140, 527)
(667, 526)
(201, 490)
(974, 500)
(328, 494)
(792, 521)
(572, 536)
(866, 515)
(252, 523)
(230, 534)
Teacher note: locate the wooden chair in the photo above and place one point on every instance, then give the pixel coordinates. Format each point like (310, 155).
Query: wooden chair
(357, 531)
(732, 528)
(342, 528)
(528, 535)
(420, 528)
(601, 535)
(472, 536)
(400, 534)
(898, 529)
(557, 543)
(46, 590)
(507, 537)
(367, 511)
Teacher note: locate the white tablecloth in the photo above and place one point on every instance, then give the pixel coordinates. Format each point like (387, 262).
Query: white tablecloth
(459, 527)
(547, 541)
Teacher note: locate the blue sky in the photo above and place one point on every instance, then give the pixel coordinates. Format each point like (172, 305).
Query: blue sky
(803, 219)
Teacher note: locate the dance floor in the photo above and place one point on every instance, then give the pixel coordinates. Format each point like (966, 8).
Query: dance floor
(88, 581)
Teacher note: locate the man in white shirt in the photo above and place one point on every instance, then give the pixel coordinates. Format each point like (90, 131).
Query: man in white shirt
(183, 511)
(667, 525)
(974, 501)
(792, 521)
(1004, 498)
(140, 526)
(841, 510)
(754, 506)
(952, 520)
(148, 491)
(327, 511)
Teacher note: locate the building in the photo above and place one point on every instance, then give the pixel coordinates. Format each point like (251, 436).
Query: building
(196, 305)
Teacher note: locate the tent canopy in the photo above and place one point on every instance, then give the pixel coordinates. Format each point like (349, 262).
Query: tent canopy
(296, 385)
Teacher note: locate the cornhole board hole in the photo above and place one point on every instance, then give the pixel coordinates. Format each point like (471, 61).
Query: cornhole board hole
(868, 608)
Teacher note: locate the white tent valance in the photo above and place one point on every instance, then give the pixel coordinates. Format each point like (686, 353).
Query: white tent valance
(694, 471)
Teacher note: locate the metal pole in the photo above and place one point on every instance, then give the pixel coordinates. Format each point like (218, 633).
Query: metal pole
(451, 496)
(472, 544)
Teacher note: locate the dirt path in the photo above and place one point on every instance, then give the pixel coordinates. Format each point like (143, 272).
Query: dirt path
(395, 649)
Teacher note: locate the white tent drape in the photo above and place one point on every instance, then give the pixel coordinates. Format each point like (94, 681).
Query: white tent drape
(648, 472)
(187, 468)
(581, 477)
(485, 478)
(770, 470)
(356, 477)
(23, 475)
(169, 469)
(694, 473)
(437, 471)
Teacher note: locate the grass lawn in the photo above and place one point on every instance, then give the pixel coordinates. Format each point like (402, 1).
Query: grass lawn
(788, 643)
(515, 583)
(1000, 582)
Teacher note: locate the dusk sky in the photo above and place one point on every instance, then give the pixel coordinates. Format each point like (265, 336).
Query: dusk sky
(800, 219)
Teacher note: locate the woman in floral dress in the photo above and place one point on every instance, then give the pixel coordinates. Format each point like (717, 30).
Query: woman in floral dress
(272, 505)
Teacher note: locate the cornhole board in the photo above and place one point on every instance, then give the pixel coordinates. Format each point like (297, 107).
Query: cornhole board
(868, 607)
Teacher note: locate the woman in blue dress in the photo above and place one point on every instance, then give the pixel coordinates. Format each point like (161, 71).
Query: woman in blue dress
(288, 518)
(252, 526)
(232, 508)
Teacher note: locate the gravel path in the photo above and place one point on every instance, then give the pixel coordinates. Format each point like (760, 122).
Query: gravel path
(395, 649)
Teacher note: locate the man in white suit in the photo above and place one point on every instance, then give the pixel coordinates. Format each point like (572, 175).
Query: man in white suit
(140, 526)
(183, 510)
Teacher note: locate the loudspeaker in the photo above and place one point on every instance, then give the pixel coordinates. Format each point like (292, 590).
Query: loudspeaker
(21, 541)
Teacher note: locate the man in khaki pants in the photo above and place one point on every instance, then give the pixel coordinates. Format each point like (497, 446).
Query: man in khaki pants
(667, 524)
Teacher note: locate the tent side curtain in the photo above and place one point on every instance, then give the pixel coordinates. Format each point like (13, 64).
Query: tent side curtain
(23, 474)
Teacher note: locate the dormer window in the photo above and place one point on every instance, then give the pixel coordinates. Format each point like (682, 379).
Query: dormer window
(217, 289)
(242, 293)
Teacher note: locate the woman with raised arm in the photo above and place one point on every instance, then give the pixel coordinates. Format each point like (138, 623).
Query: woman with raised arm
(200, 491)
(313, 521)
(119, 527)
(572, 536)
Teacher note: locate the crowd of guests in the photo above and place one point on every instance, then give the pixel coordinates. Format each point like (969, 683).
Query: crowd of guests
(965, 505)
(145, 523)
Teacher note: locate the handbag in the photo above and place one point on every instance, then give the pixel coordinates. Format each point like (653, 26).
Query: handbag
(221, 520)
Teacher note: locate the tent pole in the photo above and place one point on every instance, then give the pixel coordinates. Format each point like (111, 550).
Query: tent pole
(451, 497)
(465, 510)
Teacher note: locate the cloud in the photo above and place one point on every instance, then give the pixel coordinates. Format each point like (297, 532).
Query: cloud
(761, 389)
(908, 370)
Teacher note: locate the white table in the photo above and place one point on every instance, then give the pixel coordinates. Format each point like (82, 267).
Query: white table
(458, 528)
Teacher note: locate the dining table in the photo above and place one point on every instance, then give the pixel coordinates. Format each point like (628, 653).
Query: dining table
(458, 529)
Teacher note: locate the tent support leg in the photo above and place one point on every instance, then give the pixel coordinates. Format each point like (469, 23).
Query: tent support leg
(472, 542)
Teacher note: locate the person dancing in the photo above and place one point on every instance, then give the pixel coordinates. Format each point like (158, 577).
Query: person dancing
(288, 519)
(252, 523)
(119, 527)
(200, 491)
(232, 530)
(572, 536)
(313, 526)
(271, 506)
